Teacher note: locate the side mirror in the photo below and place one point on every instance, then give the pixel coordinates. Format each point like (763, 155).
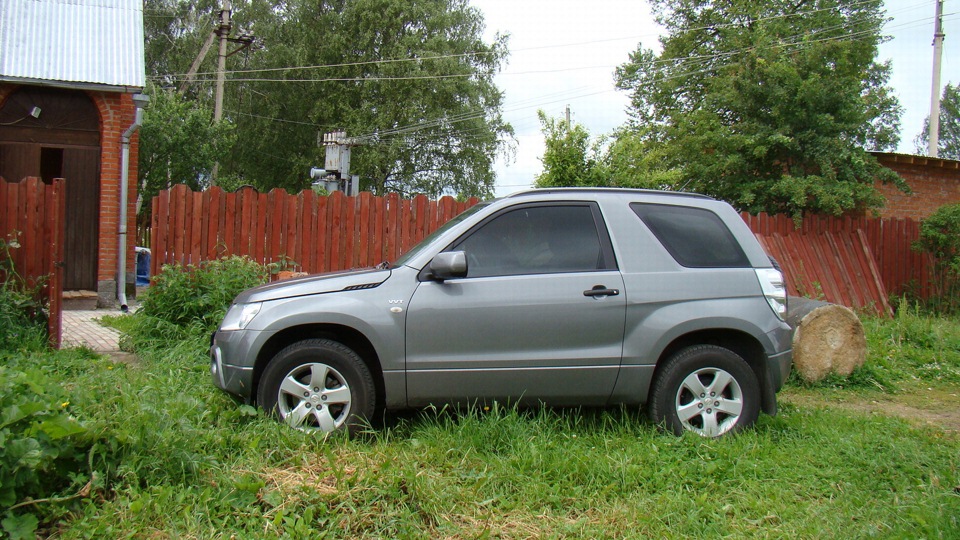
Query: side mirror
(449, 265)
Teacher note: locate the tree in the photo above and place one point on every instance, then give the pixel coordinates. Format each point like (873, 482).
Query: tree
(768, 105)
(178, 144)
(940, 237)
(569, 158)
(412, 80)
(634, 161)
(572, 159)
(948, 143)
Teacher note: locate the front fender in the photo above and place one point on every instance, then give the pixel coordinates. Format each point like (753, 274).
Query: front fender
(366, 312)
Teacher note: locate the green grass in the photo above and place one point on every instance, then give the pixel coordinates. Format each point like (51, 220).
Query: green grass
(174, 457)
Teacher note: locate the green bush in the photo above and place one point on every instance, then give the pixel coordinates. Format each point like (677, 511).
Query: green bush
(192, 294)
(41, 445)
(192, 300)
(940, 237)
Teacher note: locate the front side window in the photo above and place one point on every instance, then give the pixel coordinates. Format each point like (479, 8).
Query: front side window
(425, 243)
(534, 240)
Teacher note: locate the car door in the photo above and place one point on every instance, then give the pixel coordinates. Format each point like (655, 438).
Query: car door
(539, 316)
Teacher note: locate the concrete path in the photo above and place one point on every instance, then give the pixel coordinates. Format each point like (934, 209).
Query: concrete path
(80, 327)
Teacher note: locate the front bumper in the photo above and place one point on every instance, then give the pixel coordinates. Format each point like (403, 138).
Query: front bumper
(235, 379)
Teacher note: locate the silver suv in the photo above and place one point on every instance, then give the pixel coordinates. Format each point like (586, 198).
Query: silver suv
(561, 297)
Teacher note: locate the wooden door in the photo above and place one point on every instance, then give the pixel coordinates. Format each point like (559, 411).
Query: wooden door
(81, 170)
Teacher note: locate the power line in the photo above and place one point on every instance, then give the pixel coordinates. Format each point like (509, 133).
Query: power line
(358, 79)
(493, 52)
(687, 60)
(791, 43)
(480, 113)
(797, 38)
(348, 64)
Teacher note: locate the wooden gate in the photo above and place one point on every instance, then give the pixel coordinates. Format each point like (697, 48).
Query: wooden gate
(32, 215)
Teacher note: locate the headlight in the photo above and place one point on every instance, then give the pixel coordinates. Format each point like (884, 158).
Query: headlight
(239, 316)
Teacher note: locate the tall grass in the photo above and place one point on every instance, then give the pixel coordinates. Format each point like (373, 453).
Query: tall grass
(184, 460)
(193, 463)
(170, 456)
(913, 349)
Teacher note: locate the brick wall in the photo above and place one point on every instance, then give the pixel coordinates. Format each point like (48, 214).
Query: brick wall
(117, 112)
(935, 182)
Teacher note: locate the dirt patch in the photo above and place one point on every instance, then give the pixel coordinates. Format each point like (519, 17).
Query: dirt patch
(122, 357)
(926, 406)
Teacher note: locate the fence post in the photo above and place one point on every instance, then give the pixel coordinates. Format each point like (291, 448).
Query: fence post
(55, 288)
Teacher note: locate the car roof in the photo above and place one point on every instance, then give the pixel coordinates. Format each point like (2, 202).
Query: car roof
(604, 191)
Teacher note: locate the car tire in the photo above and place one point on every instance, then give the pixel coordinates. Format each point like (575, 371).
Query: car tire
(706, 389)
(318, 385)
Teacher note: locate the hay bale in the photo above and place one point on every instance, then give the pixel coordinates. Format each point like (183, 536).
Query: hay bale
(827, 338)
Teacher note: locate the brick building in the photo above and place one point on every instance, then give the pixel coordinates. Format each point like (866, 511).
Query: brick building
(935, 182)
(69, 71)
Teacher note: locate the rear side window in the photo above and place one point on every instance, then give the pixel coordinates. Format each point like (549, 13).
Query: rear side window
(695, 237)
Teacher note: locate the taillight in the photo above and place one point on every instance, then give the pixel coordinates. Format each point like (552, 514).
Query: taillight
(774, 289)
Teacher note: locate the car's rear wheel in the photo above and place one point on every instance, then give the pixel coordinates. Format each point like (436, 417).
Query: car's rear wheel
(318, 385)
(706, 389)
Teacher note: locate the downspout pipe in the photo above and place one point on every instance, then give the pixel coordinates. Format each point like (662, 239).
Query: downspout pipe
(140, 101)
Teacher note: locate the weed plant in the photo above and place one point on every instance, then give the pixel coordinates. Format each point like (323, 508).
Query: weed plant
(22, 320)
(41, 444)
(940, 238)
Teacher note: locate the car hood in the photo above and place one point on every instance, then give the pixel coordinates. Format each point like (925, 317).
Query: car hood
(315, 284)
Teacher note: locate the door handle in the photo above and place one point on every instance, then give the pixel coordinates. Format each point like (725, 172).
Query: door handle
(601, 290)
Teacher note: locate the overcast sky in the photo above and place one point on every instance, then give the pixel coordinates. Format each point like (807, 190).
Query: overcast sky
(564, 52)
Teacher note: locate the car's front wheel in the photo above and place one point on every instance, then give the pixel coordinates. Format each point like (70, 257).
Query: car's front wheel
(318, 384)
(706, 389)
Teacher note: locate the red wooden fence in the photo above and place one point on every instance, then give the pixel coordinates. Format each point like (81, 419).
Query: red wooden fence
(317, 233)
(32, 217)
(856, 262)
(889, 241)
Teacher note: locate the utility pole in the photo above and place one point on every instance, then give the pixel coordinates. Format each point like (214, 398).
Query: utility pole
(222, 29)
(224, 32)
(192, 72)
(938, 35)
(568, 117)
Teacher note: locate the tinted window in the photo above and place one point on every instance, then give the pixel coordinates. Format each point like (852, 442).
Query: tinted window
(695, 237)
(425, 243)
(534, 240)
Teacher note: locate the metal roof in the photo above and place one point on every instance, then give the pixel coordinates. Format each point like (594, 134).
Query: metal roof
(73, 43)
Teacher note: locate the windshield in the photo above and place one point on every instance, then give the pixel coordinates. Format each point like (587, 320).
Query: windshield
(415, 250)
